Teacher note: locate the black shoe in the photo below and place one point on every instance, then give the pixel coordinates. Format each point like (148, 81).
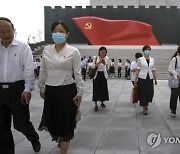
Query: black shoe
(145, 110)
(173, 113)
(103, 105)
(36, 146)
(96, 108)
(145, 113)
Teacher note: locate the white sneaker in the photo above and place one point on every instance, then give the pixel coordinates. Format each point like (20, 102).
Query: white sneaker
(173, 115)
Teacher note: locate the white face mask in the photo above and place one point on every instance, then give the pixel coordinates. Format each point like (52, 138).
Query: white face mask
(58, 38)
(147, 52)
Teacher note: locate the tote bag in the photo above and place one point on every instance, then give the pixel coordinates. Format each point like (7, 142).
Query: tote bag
(92, 71)
(172, 81)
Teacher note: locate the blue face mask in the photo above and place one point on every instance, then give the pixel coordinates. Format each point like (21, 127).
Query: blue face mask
(147, 52)
(58, 38)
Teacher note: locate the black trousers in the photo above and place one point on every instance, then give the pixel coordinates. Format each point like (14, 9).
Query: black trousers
(175, 93)
(83, 72)
(126, 72)
(119, 71)
(11, 107)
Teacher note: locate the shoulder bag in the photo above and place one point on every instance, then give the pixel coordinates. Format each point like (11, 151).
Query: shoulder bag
(78, 115)
(92, 71)
(172, 81)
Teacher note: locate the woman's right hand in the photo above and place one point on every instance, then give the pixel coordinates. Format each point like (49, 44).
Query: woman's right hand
(42, 94)
(178, 76)
(135, 83)
(97, 64)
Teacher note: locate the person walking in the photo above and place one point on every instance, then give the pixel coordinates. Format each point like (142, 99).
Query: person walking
(145, 74)
(133, 67)
(127, 69)
(16, 83)
(61, 86)
(174, 69)
(83, 68)
(112, 68)
(119, 68)
(100, 87)
(38, 62)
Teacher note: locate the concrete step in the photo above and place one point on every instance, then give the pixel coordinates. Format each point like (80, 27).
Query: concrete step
(161, 54)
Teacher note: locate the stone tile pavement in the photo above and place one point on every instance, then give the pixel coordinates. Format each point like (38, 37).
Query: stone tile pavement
(120, 128)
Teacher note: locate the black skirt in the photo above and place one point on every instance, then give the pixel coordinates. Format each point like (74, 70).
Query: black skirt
(60, 111)
(112, 69)
(145, 90)
(100, 88)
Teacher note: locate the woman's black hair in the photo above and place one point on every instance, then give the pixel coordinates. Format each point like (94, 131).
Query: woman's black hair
(128, 60)
(102, 48)
(178, 48)
(146, 47)
(177, 52)
(6, 19)
(174, 55)
(138, 55)
(60, 23)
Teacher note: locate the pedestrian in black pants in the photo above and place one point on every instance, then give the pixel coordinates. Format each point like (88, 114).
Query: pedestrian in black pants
(83, 69)
(16, 84)
(174, 69)
(175, 93)
(119, 68)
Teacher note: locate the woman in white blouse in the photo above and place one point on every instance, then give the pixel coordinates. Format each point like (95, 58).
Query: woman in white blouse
(175, 92)
(100, 87)
(145, 74)
(133, 67)
(112, 68)
(61, 92)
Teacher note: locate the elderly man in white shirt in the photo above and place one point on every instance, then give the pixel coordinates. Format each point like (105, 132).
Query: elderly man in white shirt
(16, 84)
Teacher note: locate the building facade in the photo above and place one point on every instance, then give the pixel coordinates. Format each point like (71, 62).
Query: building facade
(135, 3)
(165, 21)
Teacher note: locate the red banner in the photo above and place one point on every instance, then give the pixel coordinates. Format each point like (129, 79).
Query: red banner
(101, 31)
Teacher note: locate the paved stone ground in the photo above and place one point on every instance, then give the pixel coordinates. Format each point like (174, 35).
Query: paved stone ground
(120, 128)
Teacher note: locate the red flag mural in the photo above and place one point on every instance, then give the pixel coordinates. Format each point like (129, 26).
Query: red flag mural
(101, 31)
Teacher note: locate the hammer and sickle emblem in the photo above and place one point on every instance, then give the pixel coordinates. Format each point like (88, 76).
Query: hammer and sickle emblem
(88, 25)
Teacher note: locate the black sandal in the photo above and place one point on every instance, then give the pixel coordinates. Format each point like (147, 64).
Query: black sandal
(103, 105)
(96, 108)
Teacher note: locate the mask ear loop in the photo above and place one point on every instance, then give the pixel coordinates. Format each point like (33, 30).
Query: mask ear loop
(67, 34)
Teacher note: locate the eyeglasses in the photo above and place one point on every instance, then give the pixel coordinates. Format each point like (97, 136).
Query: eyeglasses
(8, 32)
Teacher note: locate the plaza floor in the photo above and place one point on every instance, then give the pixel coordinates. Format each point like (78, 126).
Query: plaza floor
(120, 128)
